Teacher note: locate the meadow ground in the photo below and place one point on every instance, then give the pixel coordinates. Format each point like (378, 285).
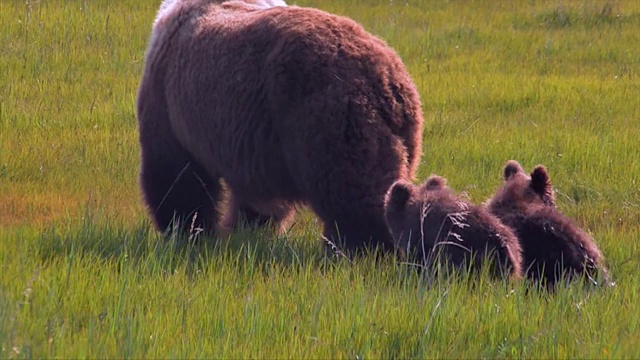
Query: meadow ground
(82, 274)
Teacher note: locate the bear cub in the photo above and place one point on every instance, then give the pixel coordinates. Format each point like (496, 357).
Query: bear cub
(554, 247)
(431, 223)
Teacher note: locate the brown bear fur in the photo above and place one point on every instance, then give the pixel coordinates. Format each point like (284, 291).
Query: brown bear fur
(287, 105)
(430, 220)
(553, 246)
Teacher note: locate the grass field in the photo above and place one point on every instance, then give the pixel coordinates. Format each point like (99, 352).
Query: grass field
(82, 274)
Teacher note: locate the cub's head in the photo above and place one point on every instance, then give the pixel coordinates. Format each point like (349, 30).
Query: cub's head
(523, 190)
(405, 204)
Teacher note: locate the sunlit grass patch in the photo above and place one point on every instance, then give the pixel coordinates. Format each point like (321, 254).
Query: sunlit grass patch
(84, 274)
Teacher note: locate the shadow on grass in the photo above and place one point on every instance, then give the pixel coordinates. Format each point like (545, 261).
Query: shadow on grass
(245, 250)
(141, 243)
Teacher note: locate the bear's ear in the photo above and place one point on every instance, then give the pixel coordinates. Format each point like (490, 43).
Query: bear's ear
(398, 195)
(541, 185)
(434, 182)
(511, 168)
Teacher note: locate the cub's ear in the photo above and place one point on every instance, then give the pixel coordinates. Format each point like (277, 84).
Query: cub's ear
(541, 185)
(434, 182)
(398, 195)
(511, 168)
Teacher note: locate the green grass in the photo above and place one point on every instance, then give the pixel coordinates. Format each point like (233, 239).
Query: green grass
(82, 274)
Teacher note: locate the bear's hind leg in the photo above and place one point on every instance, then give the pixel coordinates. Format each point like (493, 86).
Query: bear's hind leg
(178, 191)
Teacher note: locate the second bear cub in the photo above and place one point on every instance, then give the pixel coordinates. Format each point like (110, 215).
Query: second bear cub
(553, 246)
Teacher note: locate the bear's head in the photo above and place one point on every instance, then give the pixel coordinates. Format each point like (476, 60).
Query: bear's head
(521, 190)
(406, 205)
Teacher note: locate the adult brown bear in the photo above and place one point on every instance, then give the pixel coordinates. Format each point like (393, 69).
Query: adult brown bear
(288, 105)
